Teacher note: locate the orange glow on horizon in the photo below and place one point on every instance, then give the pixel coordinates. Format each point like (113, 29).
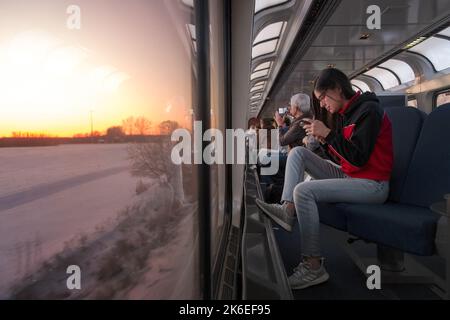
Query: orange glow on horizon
(53, 87)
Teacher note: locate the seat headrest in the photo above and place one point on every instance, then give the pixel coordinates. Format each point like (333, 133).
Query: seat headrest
(406, 126)
(428, 176)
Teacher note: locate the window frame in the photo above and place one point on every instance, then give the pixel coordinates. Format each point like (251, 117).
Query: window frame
(411, 98)
(436, 94)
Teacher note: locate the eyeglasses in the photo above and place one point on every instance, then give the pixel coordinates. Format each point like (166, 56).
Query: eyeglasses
(322, 96)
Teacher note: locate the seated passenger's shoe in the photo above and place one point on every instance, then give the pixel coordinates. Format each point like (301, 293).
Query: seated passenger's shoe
(280, 213)
(304, 276)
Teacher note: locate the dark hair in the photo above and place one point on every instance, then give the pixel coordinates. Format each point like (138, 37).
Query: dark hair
(253, 122)
(322, 114)
(267, 123)
(332, 78)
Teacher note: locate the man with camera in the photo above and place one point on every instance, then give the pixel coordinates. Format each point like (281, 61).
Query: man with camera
(299, 109)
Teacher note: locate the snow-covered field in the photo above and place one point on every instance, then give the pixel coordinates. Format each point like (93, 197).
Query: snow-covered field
(50, 195)
(22, 168)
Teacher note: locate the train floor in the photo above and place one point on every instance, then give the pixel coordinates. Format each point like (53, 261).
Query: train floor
(347, 282)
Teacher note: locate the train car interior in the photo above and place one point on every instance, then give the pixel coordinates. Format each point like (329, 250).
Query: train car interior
(92, 95)
(406, 63)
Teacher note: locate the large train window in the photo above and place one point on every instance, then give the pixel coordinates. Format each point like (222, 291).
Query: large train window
(386, 78)
(436, 50)
(442, 98)
(360, 86)
(91, 205)
(399, 68)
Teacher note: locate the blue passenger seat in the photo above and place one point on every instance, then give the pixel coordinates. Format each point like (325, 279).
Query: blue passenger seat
(421, 176)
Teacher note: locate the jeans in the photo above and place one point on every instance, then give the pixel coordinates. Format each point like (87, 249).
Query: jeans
(264, 160)
(330, 184)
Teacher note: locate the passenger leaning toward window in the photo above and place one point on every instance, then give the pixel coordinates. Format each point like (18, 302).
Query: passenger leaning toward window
(299, 108)
(292, 136)
(288, 137)
(362, 141)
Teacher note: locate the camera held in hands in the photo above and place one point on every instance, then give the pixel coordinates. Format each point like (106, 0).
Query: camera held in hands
(305, 123)
(282, 111)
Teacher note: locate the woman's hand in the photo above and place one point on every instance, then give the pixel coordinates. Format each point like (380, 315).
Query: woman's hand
(317, 129)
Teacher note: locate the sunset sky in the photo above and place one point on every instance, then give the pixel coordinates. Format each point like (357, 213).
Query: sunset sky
(128, 59)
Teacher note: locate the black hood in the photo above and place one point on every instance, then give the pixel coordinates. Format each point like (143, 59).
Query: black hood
(362, 99)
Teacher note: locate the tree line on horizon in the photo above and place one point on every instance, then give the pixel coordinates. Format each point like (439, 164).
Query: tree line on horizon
(31, 135)
(141, 126)
(131, 126)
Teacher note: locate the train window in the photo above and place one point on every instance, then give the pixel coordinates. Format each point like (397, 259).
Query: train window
(445, 32)
(189, 3)
(436, 50)
(192, 31)
(442, 98)
(193, 36)
(254, 105)
(267, 40)
(264, 4)
(412, 102)
(259, 74)
(263, 66)
(361, 85)
(273, 30)
(87, 109)
(385, 77)
(256, 96)
(257, 88)
(401, 69)
(264, 48)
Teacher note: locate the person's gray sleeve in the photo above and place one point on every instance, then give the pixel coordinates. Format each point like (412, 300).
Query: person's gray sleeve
(294, 134)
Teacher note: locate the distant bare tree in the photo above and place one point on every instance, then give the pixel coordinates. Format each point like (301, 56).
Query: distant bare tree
(167, 127)
(153, 160)
(150, 160)
(142, 125)
(115, 134)
(128, 125)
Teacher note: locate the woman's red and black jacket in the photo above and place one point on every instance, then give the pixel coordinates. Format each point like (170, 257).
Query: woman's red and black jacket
(362, 140)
